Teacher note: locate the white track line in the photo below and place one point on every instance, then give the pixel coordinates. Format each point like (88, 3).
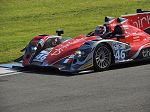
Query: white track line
(7, 69)
(12, 73)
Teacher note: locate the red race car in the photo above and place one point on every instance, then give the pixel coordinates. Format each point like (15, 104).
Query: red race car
(122, 39)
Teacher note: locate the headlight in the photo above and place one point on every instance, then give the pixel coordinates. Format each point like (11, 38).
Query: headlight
(33, 49)
(80, 53)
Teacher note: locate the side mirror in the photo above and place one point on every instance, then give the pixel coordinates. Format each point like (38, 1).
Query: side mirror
(59, 32)
(119, 36)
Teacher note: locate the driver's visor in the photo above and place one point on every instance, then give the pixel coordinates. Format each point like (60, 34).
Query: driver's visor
(97, 32)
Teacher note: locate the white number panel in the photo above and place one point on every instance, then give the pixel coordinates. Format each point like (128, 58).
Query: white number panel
(41, 56)
(119, 51)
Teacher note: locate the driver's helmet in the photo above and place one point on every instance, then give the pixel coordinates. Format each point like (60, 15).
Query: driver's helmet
(100, 30)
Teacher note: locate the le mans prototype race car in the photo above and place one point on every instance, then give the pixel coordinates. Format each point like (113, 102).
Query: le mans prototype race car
(122, 39)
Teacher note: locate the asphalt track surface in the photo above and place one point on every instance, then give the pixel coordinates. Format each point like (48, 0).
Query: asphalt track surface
(123, 88)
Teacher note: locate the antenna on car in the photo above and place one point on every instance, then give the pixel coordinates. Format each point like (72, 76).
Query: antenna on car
(59, 32)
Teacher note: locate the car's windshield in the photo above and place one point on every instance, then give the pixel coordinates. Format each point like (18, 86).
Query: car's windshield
(100, 30)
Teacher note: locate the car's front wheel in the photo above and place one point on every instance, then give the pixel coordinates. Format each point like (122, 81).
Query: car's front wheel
(102, 57)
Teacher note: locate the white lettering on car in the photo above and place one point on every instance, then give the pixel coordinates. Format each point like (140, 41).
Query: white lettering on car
(58, 51)
(146, 53)
(139, 22)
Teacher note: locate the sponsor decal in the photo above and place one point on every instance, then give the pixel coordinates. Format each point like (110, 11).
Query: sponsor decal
(139, 53)
(146, 53)
(119, 51)
(87, 66)
(137, 38)
(139, 22)
(59, 50)
(68, 60)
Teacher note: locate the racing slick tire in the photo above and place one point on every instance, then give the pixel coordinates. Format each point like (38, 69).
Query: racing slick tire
(102, 57)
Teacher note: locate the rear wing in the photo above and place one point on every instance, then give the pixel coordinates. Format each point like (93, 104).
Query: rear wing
(140, 11)
(140, 20)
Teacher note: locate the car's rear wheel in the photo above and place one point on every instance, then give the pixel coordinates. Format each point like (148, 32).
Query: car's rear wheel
(102, 57)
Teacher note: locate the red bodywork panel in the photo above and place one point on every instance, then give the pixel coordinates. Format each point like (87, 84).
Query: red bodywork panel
(66, 49)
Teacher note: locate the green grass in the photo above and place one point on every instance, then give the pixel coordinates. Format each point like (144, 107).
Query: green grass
(21, 20)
